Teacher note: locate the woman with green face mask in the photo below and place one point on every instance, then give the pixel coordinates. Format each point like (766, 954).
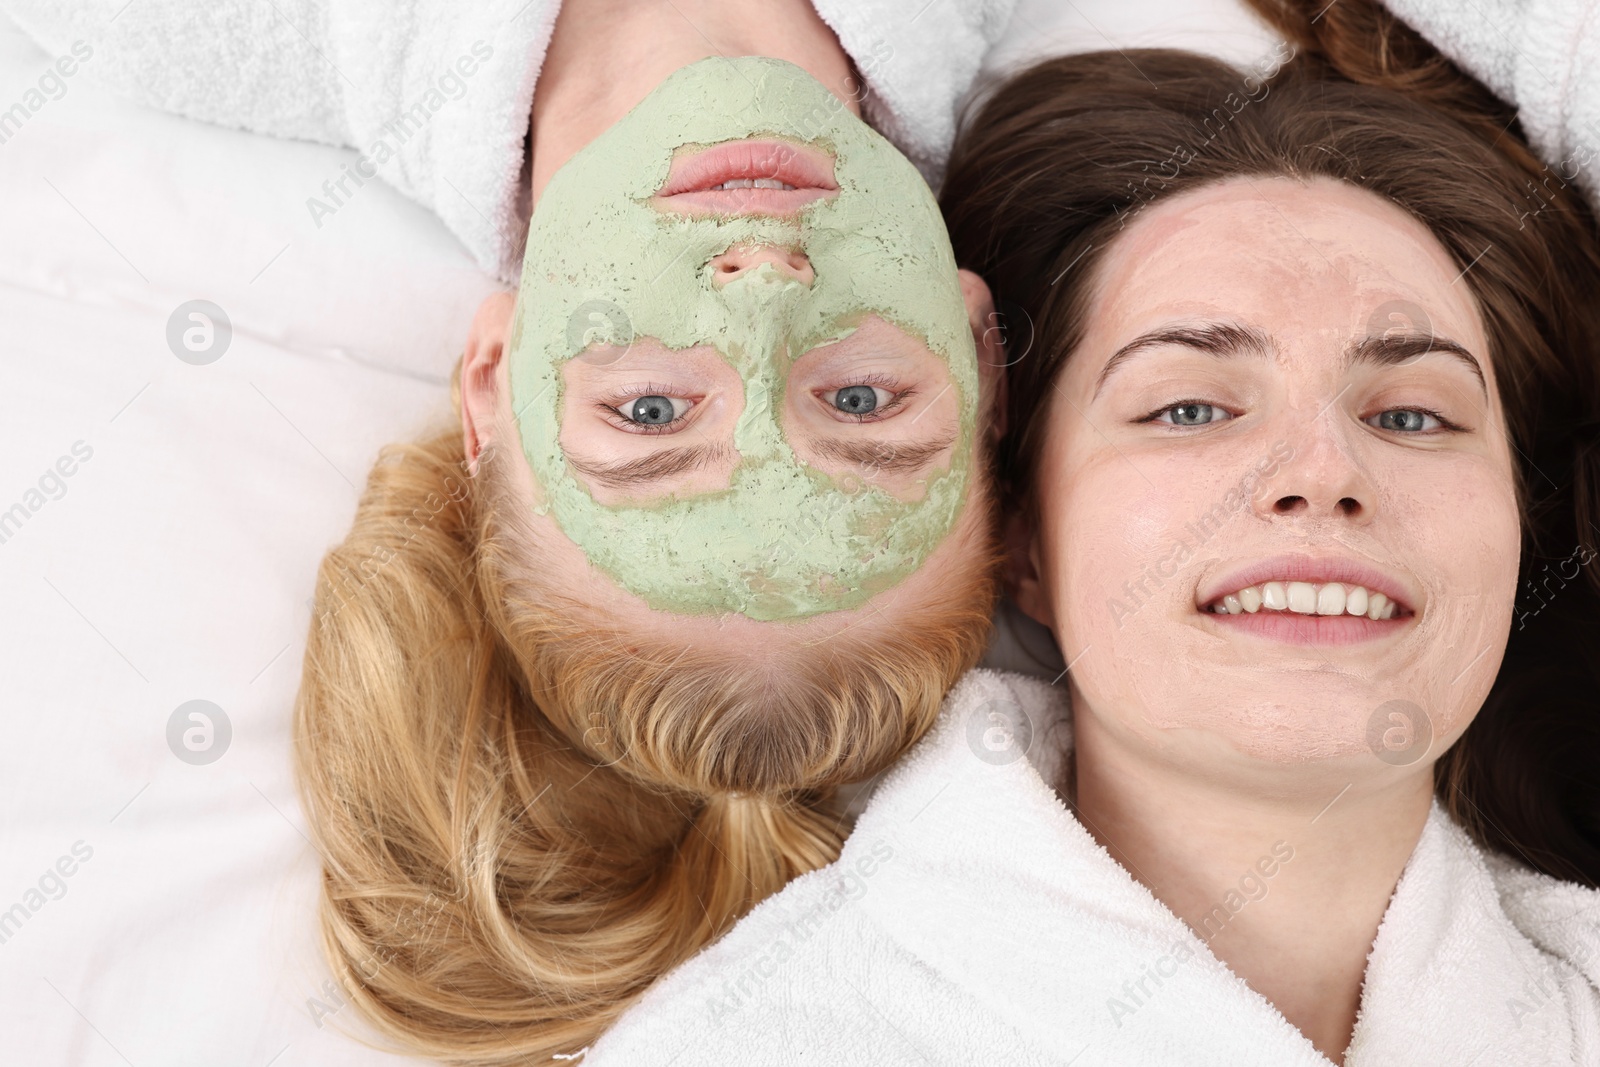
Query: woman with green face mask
(595, 668)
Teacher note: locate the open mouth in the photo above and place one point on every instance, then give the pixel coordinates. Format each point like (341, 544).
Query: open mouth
(1330, 599)
(1302, 602)
(748, 178)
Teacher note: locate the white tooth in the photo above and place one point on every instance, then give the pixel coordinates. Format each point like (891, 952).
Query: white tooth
(1355, 600)
(1375, 605)
(1250, 599)
(1388, 612)
(1302, 598)
(1330, 599)
(1231, 602)
(1274, 596)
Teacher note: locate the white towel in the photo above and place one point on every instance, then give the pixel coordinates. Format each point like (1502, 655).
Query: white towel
(919, 58)
(972, 919)
(437, 95)
(1543, 57)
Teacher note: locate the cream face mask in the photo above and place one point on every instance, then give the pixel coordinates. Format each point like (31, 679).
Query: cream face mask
(623, 253)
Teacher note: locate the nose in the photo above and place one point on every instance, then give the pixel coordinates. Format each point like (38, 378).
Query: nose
(739, 259)
(1318, 476)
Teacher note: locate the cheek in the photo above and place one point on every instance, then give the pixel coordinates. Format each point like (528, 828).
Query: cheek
(1123, 537)
(1129, 532)
(1465, 538)
(1108, 536)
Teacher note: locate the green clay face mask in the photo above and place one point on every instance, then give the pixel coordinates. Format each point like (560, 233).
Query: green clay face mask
(608, 266)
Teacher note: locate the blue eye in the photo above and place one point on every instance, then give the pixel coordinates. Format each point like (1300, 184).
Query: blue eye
(1193, 413)
(860, 399)
(654, 410)
(1407, 420)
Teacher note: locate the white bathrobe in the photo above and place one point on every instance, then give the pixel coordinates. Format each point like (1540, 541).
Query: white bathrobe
(437, 94)
(972, 919)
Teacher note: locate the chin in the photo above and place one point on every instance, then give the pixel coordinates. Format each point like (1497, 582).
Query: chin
(1294, 726)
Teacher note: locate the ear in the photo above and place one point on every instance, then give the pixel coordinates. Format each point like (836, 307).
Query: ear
(1022, 575)
(478, 374)
(989, 339)
(1021, 571)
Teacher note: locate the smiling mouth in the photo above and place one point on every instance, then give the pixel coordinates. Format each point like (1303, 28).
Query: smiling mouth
(748, 178)
(1310, 612)
(1329, 599)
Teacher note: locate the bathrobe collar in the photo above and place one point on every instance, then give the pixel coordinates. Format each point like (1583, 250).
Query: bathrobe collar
(1058, 939)
(972, 918)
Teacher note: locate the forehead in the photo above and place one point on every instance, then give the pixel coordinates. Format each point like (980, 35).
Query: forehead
(1292, 257)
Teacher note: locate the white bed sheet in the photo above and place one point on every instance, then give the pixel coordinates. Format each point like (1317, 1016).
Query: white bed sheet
(175, 563)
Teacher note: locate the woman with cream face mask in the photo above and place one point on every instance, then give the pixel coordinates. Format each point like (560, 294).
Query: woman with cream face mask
(1290, 422)
(710, 541)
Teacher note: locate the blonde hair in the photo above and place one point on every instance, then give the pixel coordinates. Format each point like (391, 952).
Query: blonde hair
(527, 815)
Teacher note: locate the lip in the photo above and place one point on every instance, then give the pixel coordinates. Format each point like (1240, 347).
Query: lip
(689, 185)
(1316, 570)
(1319, 630)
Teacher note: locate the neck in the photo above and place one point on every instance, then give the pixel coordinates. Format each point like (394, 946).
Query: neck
(1286, 880)
(607, 55)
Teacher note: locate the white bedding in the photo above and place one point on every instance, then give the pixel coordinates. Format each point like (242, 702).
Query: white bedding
(174, 562)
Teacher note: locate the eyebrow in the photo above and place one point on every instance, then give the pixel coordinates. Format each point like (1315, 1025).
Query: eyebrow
(1212, 338)
(1393, 351)
(647, 469)
(883, 456)
(1224, 339)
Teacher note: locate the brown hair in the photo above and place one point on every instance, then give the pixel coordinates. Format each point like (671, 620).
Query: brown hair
(1048, 170)
(527, 815)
